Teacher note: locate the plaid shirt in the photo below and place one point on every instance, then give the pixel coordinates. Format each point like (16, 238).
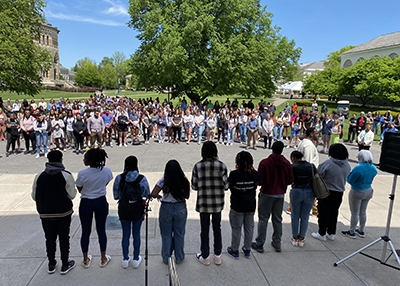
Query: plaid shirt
(210, 180)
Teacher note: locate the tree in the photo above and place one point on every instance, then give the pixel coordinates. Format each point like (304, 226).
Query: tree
(22, 60)
(109, 76)
(88, 75)
(377, 77)
(209, 47)
(105, 61)
(80, 63)
(119, 60)
(327, 82)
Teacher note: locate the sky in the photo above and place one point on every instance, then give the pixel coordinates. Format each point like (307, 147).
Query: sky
(97, 28)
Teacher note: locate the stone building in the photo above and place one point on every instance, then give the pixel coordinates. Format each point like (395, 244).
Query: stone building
(49, 41)
(385, 45)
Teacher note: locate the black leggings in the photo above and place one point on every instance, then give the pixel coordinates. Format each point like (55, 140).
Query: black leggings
(30, 136)
(11, 142)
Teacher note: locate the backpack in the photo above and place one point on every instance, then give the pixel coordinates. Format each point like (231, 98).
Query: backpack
(131, 206)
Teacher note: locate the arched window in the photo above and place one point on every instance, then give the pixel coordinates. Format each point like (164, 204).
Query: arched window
(347, 63)
(360, 59)
(393, 56)
(47, 40)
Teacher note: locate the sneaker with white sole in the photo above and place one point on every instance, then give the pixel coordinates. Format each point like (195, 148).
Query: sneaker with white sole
(204, 261)
(136, 263)
(232, 253)
(349, 234)
(294, 241)
(37, 156)
(52, 267)
(217, 259)
(360, 233)
(67, 268)
(300, 242)
(330, 236)
(316, 235)
(125, 263)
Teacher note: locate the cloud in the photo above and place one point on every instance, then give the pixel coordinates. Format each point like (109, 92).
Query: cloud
(78, 18)
(117, 8)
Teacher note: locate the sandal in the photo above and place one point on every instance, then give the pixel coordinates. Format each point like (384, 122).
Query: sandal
(87, 264)
(105, 264)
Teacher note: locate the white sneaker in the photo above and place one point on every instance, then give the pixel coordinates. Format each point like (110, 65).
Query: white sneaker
(125, 145)
(111, 145)
(330, 237)
(136, 263)
(316, 235)
(120, 145)
(125, 263)
(45, 155)
(37, 156)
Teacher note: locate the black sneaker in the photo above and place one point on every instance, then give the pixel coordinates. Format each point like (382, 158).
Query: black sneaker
(256, 247)
(349, 234)
(277, 248)
(66, 269)
(52, 267)
(360, 233)
(246, 252)
(232, 253)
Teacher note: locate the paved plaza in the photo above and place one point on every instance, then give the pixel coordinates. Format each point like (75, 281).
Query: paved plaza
(23, 257)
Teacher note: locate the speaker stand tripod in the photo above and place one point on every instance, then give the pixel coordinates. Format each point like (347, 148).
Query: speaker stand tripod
(385, 238)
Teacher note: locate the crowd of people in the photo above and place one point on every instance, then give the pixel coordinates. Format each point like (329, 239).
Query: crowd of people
(54, 189)
(104, 120)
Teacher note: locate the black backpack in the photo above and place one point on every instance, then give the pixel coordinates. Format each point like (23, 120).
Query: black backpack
(131, 204)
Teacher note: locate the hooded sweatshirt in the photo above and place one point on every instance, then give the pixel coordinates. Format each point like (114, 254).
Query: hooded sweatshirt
(334, 172)
(275, 174)
(53, 191)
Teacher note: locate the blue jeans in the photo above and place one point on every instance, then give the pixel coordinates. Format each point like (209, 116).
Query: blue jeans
(243, 132)
(231, 135)
(301, 201)
(41, 140)
(269, 207)
(127, 226)
(172, 220)
(278, 132)
(199, 129)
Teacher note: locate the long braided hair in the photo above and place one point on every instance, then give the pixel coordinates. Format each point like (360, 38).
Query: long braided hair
(244, 161)
(96, 158)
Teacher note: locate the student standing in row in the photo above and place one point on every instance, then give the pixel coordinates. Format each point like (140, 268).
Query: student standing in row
(92, 183)
(210, 180)
(242, 184)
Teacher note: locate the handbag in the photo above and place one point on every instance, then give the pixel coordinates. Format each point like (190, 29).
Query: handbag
(319, 186)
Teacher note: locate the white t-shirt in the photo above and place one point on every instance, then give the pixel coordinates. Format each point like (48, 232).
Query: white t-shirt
(166, 197)
(94, 182)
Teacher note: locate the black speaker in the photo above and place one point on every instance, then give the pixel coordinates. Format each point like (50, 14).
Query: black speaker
(390, 153)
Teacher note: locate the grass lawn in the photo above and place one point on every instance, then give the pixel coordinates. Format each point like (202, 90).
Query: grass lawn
(354, 108)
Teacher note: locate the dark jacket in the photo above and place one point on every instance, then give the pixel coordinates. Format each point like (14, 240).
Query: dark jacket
(53, 191)
(302, 174)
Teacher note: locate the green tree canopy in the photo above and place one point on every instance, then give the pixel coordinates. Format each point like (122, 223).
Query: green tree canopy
(204, 47)
(88, 75)
(377, 77)
(109, 76)
(22, 61)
